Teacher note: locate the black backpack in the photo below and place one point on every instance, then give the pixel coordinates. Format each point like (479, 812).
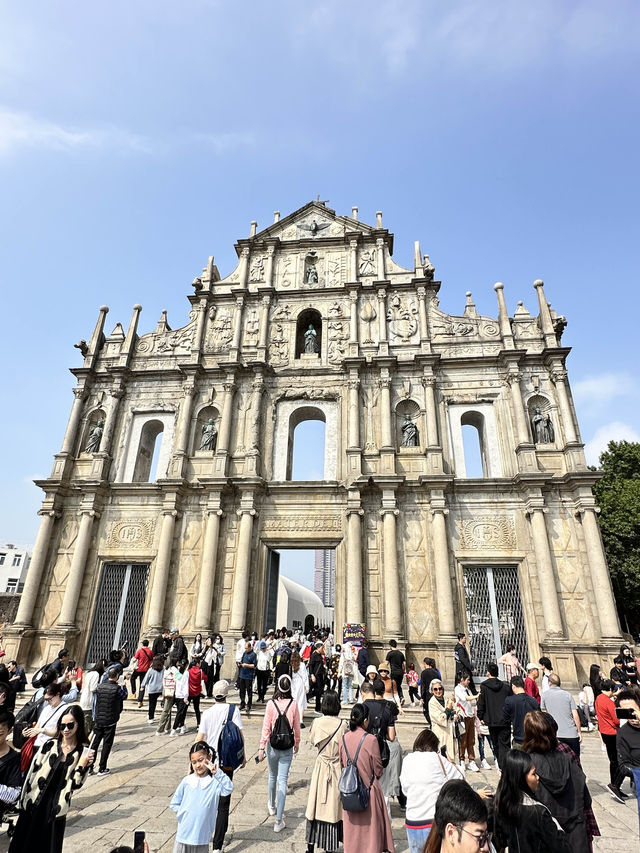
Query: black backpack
(281, 736)
(36, 681)
(26, 716)
(375, 724)
(354, 794)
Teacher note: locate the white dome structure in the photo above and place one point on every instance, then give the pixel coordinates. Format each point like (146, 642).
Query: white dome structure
(296, 602)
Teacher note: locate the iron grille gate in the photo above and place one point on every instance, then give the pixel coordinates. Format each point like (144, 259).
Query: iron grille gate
(494, 614)
(118, 614)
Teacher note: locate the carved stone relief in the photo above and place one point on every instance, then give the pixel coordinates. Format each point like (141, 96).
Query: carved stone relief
(370, 396)
(256, 270)
(279, 345)
(295, 524)
(337, 341)
(133, 533)
(222, 332)
(165, 341)
(402, 317)
(368, 315)
(487, 532)
(367, 262)
(251, 328)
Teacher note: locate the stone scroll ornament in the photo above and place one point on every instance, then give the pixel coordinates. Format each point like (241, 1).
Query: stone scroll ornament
(95, 437)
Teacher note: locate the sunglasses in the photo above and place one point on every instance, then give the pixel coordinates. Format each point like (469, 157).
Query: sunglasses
(438, 689)
(384, 671)
(481, 839)
(67, 726)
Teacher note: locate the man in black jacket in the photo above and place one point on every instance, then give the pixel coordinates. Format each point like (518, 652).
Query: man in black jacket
(161, 643)
(463, 662)
(516, 708)
(426, 677)
(316, 674)
(108, 707)
(178, 650)
(493, 693)
(628, 737)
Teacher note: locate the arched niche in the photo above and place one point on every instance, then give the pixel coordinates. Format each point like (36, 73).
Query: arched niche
(148, 451)
(202, 430)
(291, 413)
(541, 420)
(91, 436)
(153, 433)
(409, 431)
(302, 415)
(479, 423)
(309, 320)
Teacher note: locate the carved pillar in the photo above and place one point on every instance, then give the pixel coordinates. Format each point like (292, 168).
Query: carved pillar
(559, 377)
(243, 267)
(36, 568)
(161, 573)
(382, 315)
(264, 326)
(422, 313)
(354, 410)
(269, 269)
(237, 325)
(355, 610)
(353, 260)
(522, 429)
(391, 581)
(546, 324)
(227, 413)
(116, 394)
(256, 405)
(503, 317)
(207, 580)
(444, 592)
(353, 325)
(429, 383)
(200, 326)
(71, 433)
(76, 571)
(380, 258)
(384, 384)
(184, 416)
(544, 566)
(603, 593)
(243, 563)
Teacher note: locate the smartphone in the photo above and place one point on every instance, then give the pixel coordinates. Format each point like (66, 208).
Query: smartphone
(138, 842)
(625, 714)
(257, 760)
(86, 752)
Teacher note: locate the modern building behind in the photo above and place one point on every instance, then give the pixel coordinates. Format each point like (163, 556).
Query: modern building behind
(14, 563)
(324, 577)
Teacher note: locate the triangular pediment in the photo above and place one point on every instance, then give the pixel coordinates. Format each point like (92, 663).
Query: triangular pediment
(313, 221)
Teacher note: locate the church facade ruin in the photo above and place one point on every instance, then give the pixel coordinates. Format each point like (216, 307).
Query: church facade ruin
(173, 487)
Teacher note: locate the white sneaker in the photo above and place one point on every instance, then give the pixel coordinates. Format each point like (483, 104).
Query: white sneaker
(485, 764)
(462, 767)
(271, 809)
(183, 730)
(279, 825)
(151, 722)
(158, 734)
(473, 767)
(173, 733)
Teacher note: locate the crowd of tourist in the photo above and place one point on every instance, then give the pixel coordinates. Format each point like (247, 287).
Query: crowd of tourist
(525, 721)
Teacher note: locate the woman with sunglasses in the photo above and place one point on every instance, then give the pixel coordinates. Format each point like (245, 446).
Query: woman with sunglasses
(390, 689)
(520, 822)
(442, 711)
(58, 769)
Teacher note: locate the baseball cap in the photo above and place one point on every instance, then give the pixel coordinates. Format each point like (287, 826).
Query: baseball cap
(531, 666)
(263, 645)
(220, 689)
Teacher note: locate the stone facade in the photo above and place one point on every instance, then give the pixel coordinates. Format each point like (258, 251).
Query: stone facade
(397, 382)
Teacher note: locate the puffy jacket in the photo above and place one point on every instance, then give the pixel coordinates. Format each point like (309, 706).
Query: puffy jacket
(108, 703)
(493, 692)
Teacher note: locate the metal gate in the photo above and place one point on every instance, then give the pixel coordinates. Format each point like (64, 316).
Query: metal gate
(494, 614)
(118, 614)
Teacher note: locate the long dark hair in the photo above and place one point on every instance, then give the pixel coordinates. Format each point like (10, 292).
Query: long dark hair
(595, 679)
(512, 786)
(81, 733)
(359, 713)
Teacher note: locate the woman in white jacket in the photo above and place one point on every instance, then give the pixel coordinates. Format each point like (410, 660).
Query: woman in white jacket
(424, 772)
(299, 684)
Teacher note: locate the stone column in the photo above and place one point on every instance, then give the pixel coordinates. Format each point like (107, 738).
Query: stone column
(184, 416)
(243, 564)
(444, 591)
(522, 429)
(237, 324)
(382, 315)
(227, 413)
(380, 258)
(116, 394)
(559, 378)
(422, 312)
(355, 592)
(264, 323)
(76, 571)
(503, 317)
(429, 383)
(256, 405)
(544, 566)
(269, 269)
(546, 323)
(243, 267)
(354, 410)
(200, 326)
(353, 324)
(161, 573)
(71, 433)
(207, 580)
(353, 260)
(391, 581)
(385, 411)
(601, 580)
(36, 568)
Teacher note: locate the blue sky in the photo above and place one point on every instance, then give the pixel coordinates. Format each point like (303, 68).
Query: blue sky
(138, 138)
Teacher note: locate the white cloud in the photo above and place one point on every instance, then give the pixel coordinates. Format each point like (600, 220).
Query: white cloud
(594, 393)
(222, 143)
(615, 431)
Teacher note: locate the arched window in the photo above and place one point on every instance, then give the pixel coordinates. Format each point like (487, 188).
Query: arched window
(309, 333)
(306, 450)
(473, 440)
(148, 452)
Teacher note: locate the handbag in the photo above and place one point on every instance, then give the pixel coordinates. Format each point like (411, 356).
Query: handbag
(26, 753)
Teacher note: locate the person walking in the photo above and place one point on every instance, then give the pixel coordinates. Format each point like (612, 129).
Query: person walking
(424, 772)
(162, 644)
(246, 673)
(515, 709)
(109, 698)
(142, 657)
(87, 694)
(299, 684)
(466, 703)
(196, 680)
(443, 715)
(213, 721)
(429, 672)
(521, 823)
(169, 677)
(530, 685)
(181, 700)
(178, 648)
(609, 725)
(562, 707)
(367, 831)
(279, 742)
(196, 800)
(463, 661)
(413, 681)
(347, 672)
(493, 693)
(317, 674)
(324, 809)
(398, 664)
(58, 769)
(197, 648)
(264, 657)
(152, 683)
(547, 669)
(511, 664)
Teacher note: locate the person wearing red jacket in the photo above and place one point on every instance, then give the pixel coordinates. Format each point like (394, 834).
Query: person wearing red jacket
(143, 656)
(530, 686)
(608, 724)
(196, 677)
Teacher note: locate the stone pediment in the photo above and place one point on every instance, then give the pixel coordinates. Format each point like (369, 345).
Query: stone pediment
(314, 221)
